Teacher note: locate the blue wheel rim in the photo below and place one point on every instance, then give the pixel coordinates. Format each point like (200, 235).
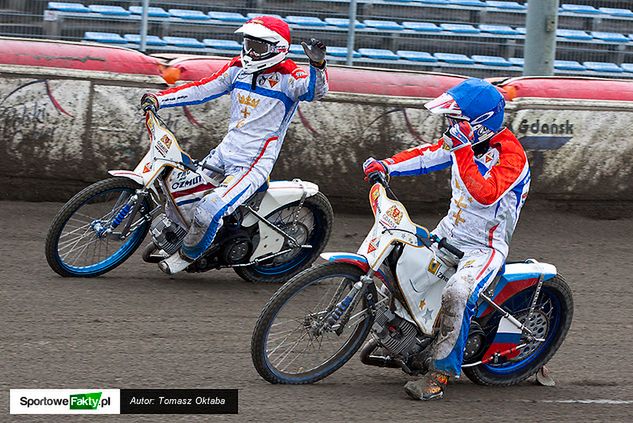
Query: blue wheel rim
(115, 258)
(553, 329)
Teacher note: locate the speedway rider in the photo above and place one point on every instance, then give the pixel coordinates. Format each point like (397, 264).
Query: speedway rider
(265, 91)
(490, 179)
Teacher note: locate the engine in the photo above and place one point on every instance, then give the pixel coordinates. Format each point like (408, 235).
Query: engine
(395, 334)
(166, 234)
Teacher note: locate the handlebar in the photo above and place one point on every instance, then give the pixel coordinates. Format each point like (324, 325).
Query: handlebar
(211, 168)
(381, 178)
(443, 243)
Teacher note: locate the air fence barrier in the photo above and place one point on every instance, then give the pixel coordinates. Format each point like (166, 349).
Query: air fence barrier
(68, 118)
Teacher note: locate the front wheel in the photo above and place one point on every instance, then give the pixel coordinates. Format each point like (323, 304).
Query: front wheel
(85, 238)
(290, 344)
(550, 321)
(311, 224)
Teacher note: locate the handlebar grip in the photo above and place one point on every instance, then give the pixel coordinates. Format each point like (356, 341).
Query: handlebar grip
(376, 178)
(450, 248)
(212, 168)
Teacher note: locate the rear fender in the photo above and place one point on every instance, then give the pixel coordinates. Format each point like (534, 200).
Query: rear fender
(516, 278)
(278, 194)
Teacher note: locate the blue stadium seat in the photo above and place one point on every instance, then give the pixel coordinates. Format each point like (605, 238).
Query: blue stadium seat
(573, 34)
(580, 8)
(378, 53)
(470, 3)
(627, 67)
(190, 15)
(401, 1)
(613, 37)
(68, 7)
(109, 10)
(297, 49)
(256, 15)
(460, 28)
(623, 13)
(151, 40)
(152, 12)
(517, 61)
(343, 23)
(222, 44)
(422, 26)
(184, 42)
(305, 21)
(104, 37)
(498, 29)
(416, 56)
(603, 67)
(508, 5)
(570, 65)
(457, 59)
(384, 25)
(521, 30)
(434, 1)
(340, 52)
(228, 16)
(491, 60)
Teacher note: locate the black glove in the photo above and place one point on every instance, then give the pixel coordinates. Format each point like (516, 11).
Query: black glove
(149, 102)
(315, 50)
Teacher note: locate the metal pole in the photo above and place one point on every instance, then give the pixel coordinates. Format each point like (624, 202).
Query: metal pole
(540, 39)
(144, 25)
(350, 33)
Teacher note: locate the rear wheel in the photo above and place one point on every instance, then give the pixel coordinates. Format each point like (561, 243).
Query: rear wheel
(311, 225)
(551, 321)
(289, 345)
(83, 241)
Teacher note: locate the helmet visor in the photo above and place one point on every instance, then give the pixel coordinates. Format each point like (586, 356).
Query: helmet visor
(257, 49)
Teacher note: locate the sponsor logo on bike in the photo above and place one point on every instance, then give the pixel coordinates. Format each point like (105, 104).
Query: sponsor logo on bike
(373, 245)
(163, 144)
(434, 268)
(395, 213)
(187, 183)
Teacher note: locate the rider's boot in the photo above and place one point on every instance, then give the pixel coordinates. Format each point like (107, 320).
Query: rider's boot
(174, 263)
(429, 388)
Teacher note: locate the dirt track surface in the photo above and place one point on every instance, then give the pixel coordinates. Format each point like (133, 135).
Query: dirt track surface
(138, 328)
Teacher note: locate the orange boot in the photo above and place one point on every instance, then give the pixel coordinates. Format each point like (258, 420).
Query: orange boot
(430, 388)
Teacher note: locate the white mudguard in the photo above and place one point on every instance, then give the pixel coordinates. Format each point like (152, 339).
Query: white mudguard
(279, 194)
(128, 174)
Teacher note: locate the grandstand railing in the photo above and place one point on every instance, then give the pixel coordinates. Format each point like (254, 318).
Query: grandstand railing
(481, 38)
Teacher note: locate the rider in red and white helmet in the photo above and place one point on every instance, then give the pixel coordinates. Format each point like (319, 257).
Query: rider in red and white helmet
(266, 43)
(265, 90)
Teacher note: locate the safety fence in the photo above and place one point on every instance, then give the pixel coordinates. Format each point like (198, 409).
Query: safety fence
(474, 37)
(64, 122)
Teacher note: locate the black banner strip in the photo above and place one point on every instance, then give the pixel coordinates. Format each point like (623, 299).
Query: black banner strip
(179, 401)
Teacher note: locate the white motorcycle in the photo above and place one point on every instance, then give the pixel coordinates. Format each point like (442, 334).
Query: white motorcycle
(275, 234)
(391, 290)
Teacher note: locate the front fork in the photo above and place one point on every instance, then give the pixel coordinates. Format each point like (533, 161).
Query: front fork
(130, 208)
(339, 313)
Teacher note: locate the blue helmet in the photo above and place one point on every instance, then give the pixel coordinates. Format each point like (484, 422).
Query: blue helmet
(474, 100)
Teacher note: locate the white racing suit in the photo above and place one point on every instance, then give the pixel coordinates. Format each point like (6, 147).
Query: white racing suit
(259, 117)
(488, 193)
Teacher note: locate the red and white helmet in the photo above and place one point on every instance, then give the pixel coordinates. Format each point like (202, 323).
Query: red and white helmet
(266, 43)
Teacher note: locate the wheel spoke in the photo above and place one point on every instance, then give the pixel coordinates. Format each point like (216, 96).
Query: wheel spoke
(301, 342)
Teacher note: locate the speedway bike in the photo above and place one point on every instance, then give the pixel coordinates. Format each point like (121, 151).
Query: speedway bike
(390, 292)
(275, 234)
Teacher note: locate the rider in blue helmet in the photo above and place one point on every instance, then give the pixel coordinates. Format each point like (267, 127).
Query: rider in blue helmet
(490, 179)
